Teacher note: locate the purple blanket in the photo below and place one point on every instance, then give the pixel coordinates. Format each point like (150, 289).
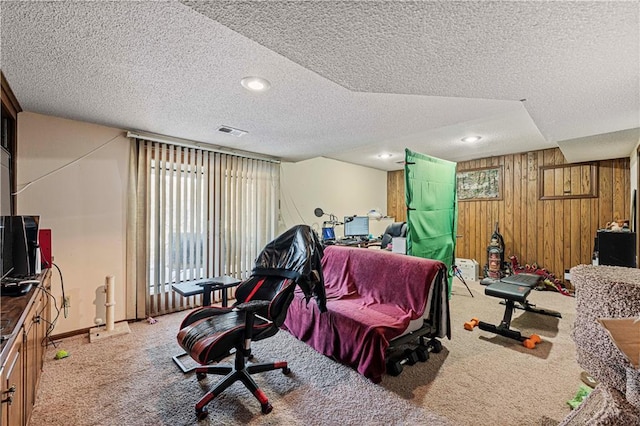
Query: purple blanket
(371, 297)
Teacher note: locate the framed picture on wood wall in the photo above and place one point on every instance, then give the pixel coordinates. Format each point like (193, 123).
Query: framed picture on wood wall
(479, 184)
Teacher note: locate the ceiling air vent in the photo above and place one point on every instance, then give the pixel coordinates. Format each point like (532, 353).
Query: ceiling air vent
(231, 131)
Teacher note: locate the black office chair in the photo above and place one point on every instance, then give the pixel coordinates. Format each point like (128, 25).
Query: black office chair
(210, 334)
(396, 229)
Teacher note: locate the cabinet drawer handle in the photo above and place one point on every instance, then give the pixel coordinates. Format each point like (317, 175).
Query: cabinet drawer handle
(10, 391)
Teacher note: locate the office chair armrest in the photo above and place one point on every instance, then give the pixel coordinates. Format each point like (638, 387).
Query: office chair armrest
(253, 305)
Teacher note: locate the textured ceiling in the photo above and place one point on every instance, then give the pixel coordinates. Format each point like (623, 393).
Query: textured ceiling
(349, 79)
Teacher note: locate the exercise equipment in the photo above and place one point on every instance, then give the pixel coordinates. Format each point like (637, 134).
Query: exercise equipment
(396, 363)
(514, 290)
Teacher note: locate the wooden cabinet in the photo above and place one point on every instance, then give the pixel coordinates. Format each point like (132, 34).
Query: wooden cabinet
(25, 320)
(12, 387)
(33, 351)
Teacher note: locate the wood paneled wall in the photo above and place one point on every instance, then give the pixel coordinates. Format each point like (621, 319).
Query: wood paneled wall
(396, 205)
(555, 234)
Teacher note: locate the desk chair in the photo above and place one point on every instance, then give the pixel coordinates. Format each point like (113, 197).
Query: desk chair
(396, 229)
(210, 334)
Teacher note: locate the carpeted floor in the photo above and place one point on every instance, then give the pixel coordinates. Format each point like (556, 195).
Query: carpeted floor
(478, 379)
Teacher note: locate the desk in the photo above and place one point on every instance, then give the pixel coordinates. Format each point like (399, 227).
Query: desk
(358, 243)
(205, 287)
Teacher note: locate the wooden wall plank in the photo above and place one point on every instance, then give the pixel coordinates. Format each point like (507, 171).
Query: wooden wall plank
(539, 218)
(605, 186)
(619, 212)
(517, 201)
(507, 205)
(396, 206)
(532, 212)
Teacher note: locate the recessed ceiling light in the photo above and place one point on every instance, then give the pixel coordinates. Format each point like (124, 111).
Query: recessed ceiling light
(384, 156)
(255, 84)
(471, 139)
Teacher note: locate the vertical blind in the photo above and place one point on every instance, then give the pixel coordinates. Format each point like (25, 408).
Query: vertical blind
(207, 214)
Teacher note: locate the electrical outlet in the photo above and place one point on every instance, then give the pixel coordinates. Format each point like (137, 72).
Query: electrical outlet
(66, 303)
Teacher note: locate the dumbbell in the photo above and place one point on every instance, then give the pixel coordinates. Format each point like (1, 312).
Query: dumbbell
(469, 325)
(410, 357)
(530, 343)
(436, 345)
(422, 352)
(395, 366)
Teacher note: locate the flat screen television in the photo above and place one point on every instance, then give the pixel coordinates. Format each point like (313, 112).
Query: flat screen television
(356, 226)
(19, 246)
(31, 227)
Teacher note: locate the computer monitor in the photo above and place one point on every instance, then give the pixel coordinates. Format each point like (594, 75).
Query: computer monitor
(356, 226)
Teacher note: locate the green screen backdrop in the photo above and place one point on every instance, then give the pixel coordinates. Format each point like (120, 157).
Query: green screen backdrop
(432, 211)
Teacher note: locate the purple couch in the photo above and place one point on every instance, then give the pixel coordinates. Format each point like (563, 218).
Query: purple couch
(372, 297)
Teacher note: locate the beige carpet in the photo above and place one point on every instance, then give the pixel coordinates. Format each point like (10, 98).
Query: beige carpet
(478, 379)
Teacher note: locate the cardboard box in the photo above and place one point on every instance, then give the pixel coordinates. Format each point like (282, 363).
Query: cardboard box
(469, 268)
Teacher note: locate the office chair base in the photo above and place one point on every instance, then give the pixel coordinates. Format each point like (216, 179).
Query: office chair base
(231, 374)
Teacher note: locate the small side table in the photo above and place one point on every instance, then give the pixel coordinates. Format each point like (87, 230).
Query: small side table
(205, 287)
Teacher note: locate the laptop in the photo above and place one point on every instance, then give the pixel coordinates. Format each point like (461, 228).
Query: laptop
(328, 234)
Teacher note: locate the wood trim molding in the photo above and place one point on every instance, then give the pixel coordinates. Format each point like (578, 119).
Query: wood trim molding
(9, 100)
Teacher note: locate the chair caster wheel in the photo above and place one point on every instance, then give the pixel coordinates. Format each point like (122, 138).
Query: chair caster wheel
(266, 408)
(286, 371)
(201, 376)
(202, 413)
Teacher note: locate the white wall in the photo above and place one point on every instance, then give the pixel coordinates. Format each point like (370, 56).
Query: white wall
(84, 205)
(337, 187)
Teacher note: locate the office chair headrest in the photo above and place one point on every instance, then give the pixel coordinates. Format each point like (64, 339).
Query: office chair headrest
(397, 229)
(296, 254)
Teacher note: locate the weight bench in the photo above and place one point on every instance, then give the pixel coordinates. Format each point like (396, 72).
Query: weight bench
(514, 290)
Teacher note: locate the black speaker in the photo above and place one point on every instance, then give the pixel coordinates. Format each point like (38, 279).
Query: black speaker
(617, 248)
